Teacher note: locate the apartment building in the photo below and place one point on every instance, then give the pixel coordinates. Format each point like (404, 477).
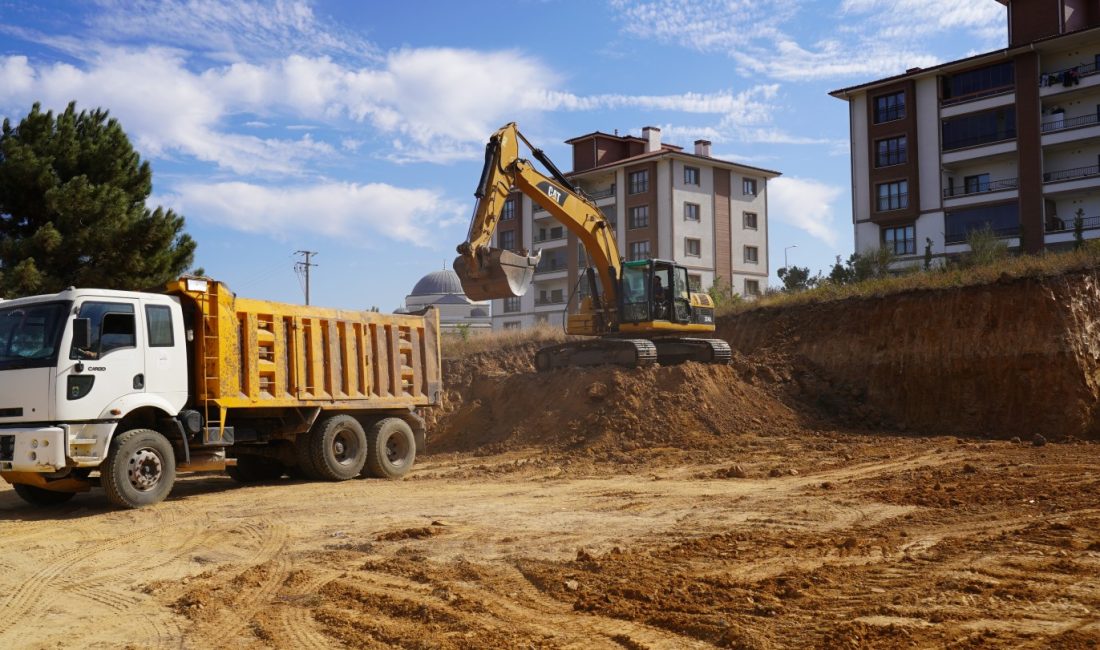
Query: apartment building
(1008, 139)
(707, 214)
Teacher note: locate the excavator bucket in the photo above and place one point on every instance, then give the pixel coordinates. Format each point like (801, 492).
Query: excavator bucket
(503, 274)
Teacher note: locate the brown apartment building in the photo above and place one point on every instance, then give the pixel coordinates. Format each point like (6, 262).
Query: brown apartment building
(708, 214)
(1008, 139)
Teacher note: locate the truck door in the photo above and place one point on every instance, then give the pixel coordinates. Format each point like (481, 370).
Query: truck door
(165, 351)
(112, 366)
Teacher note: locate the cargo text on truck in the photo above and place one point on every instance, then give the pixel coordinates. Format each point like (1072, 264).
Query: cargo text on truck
(125, 389)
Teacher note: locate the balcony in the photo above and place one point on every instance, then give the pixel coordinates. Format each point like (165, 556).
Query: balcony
(999, 185)
(1071, 174)
(604, 193)
(547, 302)
(1001, 233)
(1073, 122)
(1056, 224)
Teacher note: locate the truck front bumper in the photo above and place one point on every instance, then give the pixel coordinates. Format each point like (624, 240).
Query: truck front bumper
(37, 449)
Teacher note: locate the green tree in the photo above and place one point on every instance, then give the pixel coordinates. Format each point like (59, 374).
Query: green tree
(1079, 229)
(73, 212)
(985, 247)
(796, 278)
(721, 292)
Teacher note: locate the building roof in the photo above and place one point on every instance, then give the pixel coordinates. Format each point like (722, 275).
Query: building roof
(1004, 53)
(437, 283)
(717, 162)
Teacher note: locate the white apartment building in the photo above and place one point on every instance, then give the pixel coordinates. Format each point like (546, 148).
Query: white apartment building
(707, 214)
(1008, 139)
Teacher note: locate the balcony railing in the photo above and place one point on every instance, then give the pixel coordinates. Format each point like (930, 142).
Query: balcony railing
(1071, 123)
(980, 94)
(543, 240)
(550, 268)
(977, 140)
(1059, 77)
(960, 237)
(981, 188)
(1057, 224)
(1071, 174)
(540, 302)
(600, 194)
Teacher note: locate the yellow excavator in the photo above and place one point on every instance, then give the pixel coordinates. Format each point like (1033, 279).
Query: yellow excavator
(641, 311)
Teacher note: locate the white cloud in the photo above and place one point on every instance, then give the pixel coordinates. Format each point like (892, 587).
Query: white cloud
(872, 37)
(351, 211)
(226, 29)
(805, 204)
(434, 104)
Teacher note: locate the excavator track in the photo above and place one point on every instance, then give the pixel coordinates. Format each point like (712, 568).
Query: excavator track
(673, 350)
(632, 353)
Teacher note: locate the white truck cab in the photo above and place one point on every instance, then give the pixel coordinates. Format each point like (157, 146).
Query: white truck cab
(76, 364)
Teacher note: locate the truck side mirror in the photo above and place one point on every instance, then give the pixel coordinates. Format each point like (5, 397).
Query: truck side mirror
(82, 333)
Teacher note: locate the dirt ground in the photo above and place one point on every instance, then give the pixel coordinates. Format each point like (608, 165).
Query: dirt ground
(805, 538)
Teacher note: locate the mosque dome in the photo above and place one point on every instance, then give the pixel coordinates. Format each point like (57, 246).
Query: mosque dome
(438, 282)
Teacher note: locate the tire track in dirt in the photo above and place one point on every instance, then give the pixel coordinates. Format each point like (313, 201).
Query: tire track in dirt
(295, 619)
(39, 589)
(264, 574)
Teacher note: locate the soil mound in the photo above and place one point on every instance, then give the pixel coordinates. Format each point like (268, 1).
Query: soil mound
(496, 402)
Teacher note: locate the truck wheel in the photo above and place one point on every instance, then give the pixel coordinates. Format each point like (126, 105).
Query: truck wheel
(338, 448)
(37, 496)
(255, 469)
(139, 470)
(391, 449)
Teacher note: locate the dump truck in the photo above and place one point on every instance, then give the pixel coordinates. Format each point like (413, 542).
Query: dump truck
(123, 390)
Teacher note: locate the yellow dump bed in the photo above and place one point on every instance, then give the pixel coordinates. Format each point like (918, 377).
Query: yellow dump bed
(257, 354)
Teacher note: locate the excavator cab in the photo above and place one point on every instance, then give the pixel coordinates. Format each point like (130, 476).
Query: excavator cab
(655, 290)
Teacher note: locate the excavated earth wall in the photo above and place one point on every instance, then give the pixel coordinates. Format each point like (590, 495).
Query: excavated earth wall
(1013, 358)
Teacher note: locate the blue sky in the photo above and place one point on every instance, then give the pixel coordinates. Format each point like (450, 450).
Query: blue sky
(356, 129)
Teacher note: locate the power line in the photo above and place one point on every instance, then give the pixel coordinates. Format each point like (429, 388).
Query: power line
(302, 267)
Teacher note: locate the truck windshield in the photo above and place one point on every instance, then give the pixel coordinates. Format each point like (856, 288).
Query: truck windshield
(29, 334)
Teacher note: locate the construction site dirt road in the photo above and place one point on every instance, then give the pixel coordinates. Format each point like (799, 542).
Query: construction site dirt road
(812, 494)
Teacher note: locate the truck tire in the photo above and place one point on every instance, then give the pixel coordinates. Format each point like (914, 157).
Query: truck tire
(139, 470)
(391, 449)
(255, 469)
(338, 448)
(37, 496)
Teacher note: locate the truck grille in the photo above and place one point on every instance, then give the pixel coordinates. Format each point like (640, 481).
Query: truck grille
(11, 413)
(7, 448)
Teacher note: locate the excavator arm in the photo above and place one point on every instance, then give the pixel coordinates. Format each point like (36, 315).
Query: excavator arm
(488, 273)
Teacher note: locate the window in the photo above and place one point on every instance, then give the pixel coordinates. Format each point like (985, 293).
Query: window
(638, 182)
(752, 287)
(552, 260)
(691, 212)
(979, 82)
(639, 250)
(976, 183)
(159, 322)
(29, 335)
(752, 255)
(891, 151)
(557, 296)
(893, 196)
(901, 240)
(1003, 219)
(112, 325)
(639, 217)
(979, 128)
(695, 282)
(512, 325)
(509, 211)
(611, 214)
(889, 107)
(511, 305)
(508, 239)
(691, 175)
(692, 247)
(749, 220)
(748, 186)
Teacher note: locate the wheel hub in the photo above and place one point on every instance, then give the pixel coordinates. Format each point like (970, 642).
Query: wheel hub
(145, 469)
(395, 450)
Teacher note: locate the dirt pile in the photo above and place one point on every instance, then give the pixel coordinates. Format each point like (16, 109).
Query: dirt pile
(497, 402)
(1013, 358)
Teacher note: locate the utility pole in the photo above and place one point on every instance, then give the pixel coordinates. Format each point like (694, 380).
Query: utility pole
(303, 266)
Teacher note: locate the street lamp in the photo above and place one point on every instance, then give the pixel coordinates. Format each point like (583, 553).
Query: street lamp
(785, 254)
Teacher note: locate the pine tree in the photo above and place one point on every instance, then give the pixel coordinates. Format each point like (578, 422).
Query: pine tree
(73, 212)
